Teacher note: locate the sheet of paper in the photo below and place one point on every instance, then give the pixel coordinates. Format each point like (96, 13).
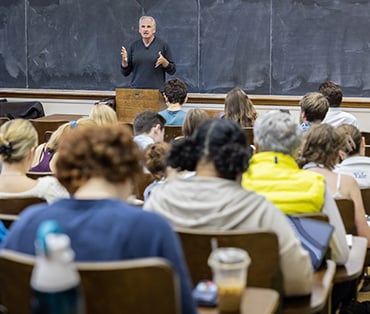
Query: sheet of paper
(349, 239)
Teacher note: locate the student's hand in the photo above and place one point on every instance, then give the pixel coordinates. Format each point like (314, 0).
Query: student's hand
(124, 57)
(161, 61)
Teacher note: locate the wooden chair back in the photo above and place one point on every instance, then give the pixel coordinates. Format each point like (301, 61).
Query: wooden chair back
(48, 135)
(140, 185)
(3, 120)
(347, 212)
(262, 247)
(15, 275)
(134, 286)
(214, 113)
(129, 125)
(10, 208)
(365, 193)
(367, 150)
(171, 132)
(366, 135)
(249, 134)
(42, 126)
(317, 216)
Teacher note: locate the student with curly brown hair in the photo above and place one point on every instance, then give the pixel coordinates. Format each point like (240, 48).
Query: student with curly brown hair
(175, 94)
(213, 199)
(99, 165)
(320, 154)
(155, 162)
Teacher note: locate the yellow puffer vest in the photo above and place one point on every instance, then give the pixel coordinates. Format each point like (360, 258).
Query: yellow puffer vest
(279, 179)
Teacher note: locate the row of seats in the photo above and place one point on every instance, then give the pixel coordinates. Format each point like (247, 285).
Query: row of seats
(45, 127)
(154, 280)
(107, 286)
(263, 249)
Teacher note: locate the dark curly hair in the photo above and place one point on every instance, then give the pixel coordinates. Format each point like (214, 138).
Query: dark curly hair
(176, 91)
(332, 92)
(219, 141)
(155, 158)
(107, 152)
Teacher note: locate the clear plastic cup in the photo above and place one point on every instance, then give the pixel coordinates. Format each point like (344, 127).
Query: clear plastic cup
(229, 266)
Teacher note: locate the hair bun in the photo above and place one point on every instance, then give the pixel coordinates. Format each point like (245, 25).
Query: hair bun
(6, 149)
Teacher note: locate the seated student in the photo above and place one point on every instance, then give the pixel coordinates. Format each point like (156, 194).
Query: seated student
(239, 108)
(175, 95)
(194, 117)
(155, 163)
(44, 159)
(98, 165)
(320, 154)
(314, 107)
(214, 200)
(18, 139)
(148, 128)
(274, 173)
(335, 115)
(354, 162)
(103, 115)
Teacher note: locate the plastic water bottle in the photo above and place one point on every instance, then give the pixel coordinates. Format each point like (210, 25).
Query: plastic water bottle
(55, 282)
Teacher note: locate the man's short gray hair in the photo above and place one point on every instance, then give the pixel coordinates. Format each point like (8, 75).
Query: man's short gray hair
(277, 131)
(144, 17)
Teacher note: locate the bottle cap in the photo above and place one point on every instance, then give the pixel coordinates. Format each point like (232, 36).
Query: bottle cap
(47, 227)
(58, 247)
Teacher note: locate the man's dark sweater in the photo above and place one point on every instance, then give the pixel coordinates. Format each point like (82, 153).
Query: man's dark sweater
(141, 62)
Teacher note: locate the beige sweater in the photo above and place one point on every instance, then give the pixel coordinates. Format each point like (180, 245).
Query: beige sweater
(220, 204)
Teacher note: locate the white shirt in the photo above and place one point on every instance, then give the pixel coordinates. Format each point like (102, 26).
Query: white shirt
(143, 141)
(335, 117)
(47, 187)
(357, 167)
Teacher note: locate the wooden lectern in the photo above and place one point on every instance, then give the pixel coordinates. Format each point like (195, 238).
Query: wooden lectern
(130, 102)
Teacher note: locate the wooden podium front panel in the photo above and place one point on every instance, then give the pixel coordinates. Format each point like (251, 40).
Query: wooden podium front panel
(130, 102)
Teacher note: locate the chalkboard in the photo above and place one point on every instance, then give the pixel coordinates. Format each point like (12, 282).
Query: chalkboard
(315, 41)
(264, 46)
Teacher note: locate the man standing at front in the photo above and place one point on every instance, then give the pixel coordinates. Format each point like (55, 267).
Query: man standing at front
(148, 58)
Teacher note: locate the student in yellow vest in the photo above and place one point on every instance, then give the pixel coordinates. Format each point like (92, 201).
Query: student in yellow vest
(274, 173)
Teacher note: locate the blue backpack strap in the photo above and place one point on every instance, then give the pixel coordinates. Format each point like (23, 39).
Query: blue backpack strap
(3, 231)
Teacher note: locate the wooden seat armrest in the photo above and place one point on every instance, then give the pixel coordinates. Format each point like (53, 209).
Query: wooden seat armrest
(8, 217)
(35, 175)
(355, 264)
(254, 301)
(318, 299)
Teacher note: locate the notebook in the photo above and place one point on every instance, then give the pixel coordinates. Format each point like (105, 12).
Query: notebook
(314, 236)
